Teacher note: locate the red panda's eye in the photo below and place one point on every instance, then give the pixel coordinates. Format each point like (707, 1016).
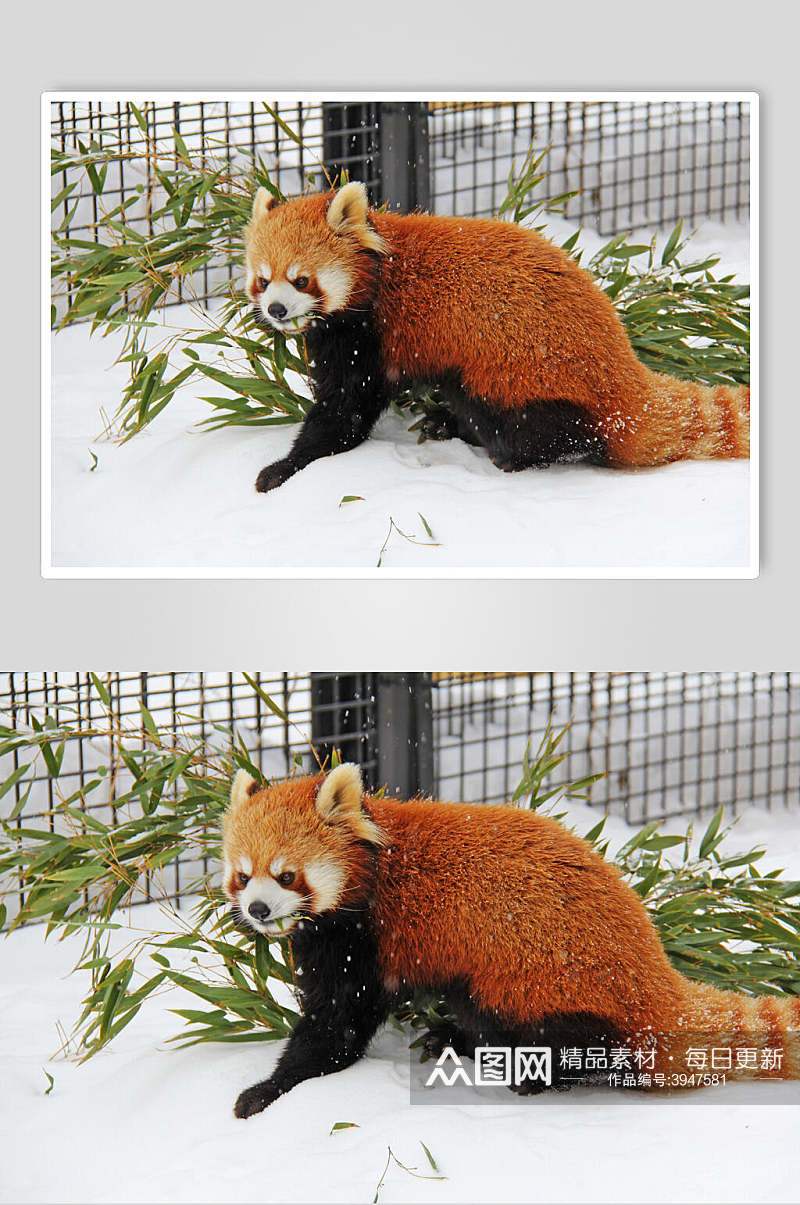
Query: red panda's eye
(286, 879)
(262, 283)
(301, 282)
(242, 880)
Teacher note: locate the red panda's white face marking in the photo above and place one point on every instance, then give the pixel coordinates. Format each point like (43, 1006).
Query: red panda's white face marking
(270, 908)
(288, 848)
(327, 881)
(287, 303)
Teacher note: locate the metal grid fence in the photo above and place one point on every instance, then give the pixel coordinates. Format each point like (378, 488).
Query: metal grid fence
(228, 136)
(634, 162)
(199, 707)
(668, 744)
(196, 708)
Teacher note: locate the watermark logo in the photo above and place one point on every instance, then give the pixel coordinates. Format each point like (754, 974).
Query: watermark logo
(674, 1062)
(495, 1066)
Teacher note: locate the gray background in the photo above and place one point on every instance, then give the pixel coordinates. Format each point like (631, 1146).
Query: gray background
(402, 624)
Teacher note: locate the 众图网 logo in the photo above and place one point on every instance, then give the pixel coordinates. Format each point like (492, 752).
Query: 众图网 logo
(495, 1066)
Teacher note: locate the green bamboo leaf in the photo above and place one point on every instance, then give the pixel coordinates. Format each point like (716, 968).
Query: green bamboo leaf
(431, 1159)
(262, 958)
(710, 840)
(265, 698)
(9, 783)
(101, 690)
(62, 195)
(595, 831)
(276, 117)
(671, 247)
(644, 886)
(148, 721)
(628, 250)
(661, 842)
(138, 115)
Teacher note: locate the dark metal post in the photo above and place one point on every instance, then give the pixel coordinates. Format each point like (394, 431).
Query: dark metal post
(405, 734)
(343, 718)
(350, 143)
(405, 178)
(383, 144)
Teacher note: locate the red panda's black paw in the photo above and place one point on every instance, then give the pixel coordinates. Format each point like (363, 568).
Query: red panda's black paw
(529, 1088)
(508, 464)
(437, 1040)
(255, 1100)
(434, 1044)
(273, 476)
(441, 425)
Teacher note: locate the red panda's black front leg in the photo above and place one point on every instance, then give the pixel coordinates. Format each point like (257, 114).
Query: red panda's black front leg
(318, 1046)
(330, 426)
(342, 1002)
(349, 390)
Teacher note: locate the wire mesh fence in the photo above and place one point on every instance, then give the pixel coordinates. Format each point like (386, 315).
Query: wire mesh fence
(140, 140)
(208, 709)
(334, 709)
(667, 744)
(632, 162)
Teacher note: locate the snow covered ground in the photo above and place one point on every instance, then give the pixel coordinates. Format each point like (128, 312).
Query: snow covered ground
(142, 1122)
(175, 497)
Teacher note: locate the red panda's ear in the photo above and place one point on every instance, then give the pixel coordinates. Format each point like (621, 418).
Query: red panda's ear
(340, 794)
(348, 209)
(347, 214)
(339, 802)
(243, 785)
(263, 201)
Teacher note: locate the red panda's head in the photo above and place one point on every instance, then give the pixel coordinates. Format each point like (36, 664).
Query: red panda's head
(296, 848)
(306, 258)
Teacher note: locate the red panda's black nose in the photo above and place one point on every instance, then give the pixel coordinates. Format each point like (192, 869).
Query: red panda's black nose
(277, 309)
(259, 910)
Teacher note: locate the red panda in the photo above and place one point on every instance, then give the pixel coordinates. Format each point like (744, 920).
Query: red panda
(529, 354)
(530, 936)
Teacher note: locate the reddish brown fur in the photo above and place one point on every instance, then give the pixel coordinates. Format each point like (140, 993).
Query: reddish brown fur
(518, 908)
(517, 319)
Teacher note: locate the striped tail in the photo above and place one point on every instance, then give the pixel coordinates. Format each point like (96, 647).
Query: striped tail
(762, 1034)
(683, 420)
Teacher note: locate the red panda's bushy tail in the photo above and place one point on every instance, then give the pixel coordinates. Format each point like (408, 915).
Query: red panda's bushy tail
(761, 1032)
(683, 420)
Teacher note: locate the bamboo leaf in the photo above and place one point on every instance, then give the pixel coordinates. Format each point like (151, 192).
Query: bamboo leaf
(265, 698)
(708, 842)
(430, 1157)
(14, 777)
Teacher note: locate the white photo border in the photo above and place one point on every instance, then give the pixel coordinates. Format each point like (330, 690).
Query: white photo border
(138, 96)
